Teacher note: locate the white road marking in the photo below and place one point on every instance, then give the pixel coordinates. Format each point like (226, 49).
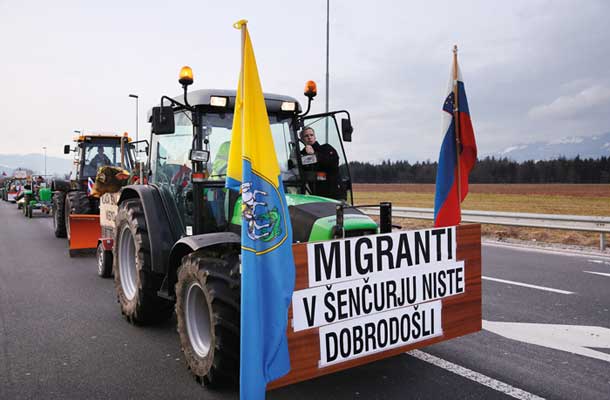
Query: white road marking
(474, 376)
(546, 250)
(596, 261)
(597, 273)
(571, 338)
(527, 285)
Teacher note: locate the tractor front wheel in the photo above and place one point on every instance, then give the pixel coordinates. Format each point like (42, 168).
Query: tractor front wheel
(207, 309)
(135, 282)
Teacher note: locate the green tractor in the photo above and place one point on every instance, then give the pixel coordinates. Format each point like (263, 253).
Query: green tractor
(177, 239)
(39, 198)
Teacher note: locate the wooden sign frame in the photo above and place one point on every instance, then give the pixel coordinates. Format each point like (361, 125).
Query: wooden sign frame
(461, 314)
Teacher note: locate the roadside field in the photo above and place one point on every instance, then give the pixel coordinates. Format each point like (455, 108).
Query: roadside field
(529, 198)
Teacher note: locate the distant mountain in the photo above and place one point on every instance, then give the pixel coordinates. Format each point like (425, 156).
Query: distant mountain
(34, 162)
(568, 147)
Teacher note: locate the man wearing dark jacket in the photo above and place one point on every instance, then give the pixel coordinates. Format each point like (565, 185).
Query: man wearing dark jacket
(325, 167)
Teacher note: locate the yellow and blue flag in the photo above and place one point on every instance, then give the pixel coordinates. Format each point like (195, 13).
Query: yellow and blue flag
(268, 270)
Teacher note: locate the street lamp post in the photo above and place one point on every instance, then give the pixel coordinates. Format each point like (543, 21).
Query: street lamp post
(45, 162)
(135, 96)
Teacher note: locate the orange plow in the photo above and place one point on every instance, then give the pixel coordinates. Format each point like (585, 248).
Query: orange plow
(84, 232)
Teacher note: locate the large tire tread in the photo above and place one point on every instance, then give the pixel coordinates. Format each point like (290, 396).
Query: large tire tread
(221, 282)
(146, 307)
(59, 216)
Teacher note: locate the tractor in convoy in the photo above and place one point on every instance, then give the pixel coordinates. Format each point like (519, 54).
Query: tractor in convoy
(73, 205)
(177, 245)
(37, 197)
(177, 239)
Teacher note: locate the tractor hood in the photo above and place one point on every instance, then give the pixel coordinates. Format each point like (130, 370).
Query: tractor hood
(313, 218)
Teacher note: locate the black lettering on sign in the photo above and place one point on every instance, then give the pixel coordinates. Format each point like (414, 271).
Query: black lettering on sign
(442, 288)
(345, 343)
(382, 333)
(367, 306)
(422, 246)
(358, 341)
(450, 244)
(415, 320)
(341, 303)
(394, 330)
(405, 325)
(404, 251)
(332, 262)
(459, 279)
(428, 281)
(331, 346)
(437, 233)
(348, 257)
(450, 272)
(384, 252)
(368, 257)
(310, 310)
(354, 301)
(330, 314)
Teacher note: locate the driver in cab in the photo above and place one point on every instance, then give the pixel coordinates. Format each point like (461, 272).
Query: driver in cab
(100, 159)
(323, 161)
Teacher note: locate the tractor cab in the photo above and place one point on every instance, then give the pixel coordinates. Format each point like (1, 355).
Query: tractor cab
(190, 144)
(94, 151)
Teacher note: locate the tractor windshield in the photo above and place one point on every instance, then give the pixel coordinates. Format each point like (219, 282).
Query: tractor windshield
(101, 153)
(171, 167)
(171, 162)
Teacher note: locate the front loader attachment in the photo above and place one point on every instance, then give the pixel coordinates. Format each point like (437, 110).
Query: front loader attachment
(84, 232)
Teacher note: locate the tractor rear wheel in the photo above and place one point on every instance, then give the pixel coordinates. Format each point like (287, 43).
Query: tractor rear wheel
(207, 309)
(135, 282)
(59, 214)
(104, 262)
(76, 203)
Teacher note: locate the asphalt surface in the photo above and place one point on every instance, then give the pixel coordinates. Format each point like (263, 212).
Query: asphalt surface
(62, 335)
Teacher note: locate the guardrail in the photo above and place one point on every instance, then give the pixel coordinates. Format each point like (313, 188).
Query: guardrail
(547, 221)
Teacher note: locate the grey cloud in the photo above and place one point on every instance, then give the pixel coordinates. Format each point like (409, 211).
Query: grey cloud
(576, 105)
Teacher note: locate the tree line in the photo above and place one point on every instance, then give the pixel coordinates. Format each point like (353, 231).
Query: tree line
(489, 170)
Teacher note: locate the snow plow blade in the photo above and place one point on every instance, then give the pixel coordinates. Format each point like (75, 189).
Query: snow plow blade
(84, 233)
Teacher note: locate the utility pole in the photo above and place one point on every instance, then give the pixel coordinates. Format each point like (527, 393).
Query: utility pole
(135, 96)
(327, 59)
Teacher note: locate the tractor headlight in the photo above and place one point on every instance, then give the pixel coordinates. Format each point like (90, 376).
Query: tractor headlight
(289, 106)
(199, 155)
(217, 101)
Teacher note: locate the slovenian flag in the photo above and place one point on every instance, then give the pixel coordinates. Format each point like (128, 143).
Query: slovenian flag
(447, 210)
(268, 271)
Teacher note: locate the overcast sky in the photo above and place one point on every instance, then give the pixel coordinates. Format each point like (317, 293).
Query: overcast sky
(533, 70)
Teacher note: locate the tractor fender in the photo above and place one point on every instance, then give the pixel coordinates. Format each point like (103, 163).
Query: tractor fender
(162, 233)
(60, 185)
(189, 244)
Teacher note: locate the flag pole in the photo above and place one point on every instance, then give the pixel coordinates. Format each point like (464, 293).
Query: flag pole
(456, 121)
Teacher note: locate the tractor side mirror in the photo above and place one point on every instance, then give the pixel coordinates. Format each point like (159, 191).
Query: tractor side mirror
(67, 149)
(163, 121)
(346, 129)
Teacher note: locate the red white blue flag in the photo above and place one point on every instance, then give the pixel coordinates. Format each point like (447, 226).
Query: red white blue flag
(89, 185)
(454, 165)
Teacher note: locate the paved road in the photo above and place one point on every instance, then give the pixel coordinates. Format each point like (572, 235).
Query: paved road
(62, 335)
